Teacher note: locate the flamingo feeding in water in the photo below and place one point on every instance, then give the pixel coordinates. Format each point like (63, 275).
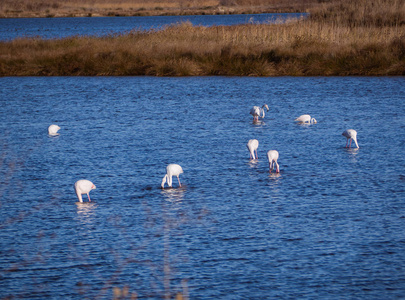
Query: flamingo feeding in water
(306, 119)
(252, 146)
(257, 112)
(272, 156)
(350, 134)
(171, 170)
(84, 186)
(53, 129)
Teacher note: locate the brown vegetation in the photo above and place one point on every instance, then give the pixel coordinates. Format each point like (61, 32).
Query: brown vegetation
(327, 43)
(92, 8)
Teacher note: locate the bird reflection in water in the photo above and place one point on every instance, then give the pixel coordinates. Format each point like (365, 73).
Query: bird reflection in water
(174, 195)
(86, 211)
(353, 153)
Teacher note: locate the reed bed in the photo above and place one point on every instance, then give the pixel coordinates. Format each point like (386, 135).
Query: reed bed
(309, 47)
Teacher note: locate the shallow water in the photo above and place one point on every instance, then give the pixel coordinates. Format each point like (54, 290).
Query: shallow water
(329, 226)
(100, 26)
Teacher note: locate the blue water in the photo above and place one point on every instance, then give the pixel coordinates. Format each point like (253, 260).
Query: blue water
(329, 226)
(100, 26)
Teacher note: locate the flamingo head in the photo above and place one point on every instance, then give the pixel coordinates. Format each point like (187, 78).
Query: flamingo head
(266, 106)
(93, 187)
(314, 121)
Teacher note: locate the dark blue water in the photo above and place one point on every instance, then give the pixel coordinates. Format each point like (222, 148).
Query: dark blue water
(100, 26)
(329, 226)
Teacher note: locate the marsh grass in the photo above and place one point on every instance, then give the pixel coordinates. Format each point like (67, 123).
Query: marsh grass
(310, 47)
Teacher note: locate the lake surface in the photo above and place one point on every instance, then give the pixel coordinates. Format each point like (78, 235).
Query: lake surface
(99, 26)
(329, 226)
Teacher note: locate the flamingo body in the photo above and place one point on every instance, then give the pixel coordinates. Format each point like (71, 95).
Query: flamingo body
(272, 156)
(171, 170)
(257, 112)
(350, 134)
(53, 129)
(252, 146)
(306, 119)
(83, 186)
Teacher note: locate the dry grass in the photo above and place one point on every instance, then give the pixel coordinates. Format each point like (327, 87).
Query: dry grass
(81, 8)
(308, 47)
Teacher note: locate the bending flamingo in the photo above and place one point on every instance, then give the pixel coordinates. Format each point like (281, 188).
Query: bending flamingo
(272, 156)
(171, 170)
(306, 119)
(252, 146)
(350, 134)
(257, 112)
(53, 129)
(84, 186)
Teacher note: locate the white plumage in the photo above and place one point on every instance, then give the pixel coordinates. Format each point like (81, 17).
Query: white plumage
(257, 112)
(171, 170)
(252, 146)
(53, 129)
(306, 119)
(83, 186)
(350, 134)
(272, 156)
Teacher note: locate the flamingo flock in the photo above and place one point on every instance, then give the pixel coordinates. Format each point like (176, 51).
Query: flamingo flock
(84, 186)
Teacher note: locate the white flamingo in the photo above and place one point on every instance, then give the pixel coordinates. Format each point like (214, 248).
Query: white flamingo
(84, 186)
(350, 134)
(306, 119)
(53, 129)
(171, 170)
(252, 146)
(272, 156)
(257, 112)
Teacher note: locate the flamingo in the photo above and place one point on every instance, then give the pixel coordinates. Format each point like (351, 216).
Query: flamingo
(53, 129)
(171, 170)
(350, 134)
(257, 112)
(272, 156)
(252, 145)
(84, 186)
(306, 119)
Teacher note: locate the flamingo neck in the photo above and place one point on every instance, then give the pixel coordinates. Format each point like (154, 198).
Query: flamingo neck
(79, 196)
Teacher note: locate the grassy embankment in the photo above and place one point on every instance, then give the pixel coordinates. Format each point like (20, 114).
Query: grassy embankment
(93, 8)
(345, 37)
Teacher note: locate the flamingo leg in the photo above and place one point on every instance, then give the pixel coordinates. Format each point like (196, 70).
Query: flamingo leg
(178, 178)
(347, 141)
(257, 157)
(278, 168)
(350, 143)
(88, 197)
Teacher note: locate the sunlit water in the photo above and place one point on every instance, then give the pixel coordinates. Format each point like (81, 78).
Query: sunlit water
(329, 226)
(100, 26)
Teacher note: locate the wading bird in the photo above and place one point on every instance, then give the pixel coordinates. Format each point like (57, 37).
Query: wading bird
(53, 129)
(257, 112)
(306, 119)
(350, 134)
(252, 146)
(171, 170)
(272, 156)
(84, 186)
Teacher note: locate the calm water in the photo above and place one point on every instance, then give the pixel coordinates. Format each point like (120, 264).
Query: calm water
(63, 27)
(330, 226)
